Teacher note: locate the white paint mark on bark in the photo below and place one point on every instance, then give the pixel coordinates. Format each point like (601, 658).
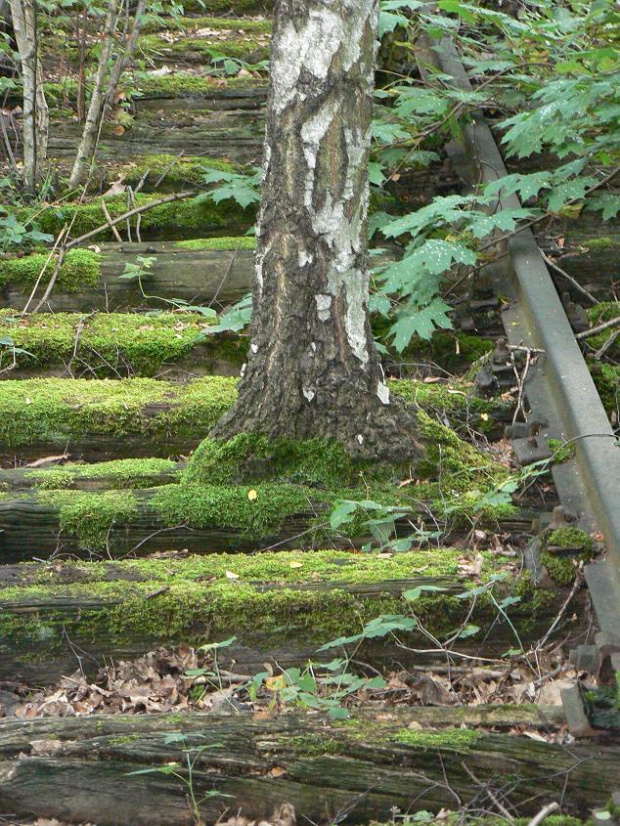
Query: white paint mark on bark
(383, 392)
(323, 305)
(243, 369)
(313, 346)
(309, 393)
(254, 348)
(360, 439)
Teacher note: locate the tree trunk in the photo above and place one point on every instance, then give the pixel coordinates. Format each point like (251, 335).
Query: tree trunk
(313, 369)
(78, 769)
(36, 114)
(90, 134)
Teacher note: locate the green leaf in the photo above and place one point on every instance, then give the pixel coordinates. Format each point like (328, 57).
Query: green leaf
(421, 321)
(415, 593)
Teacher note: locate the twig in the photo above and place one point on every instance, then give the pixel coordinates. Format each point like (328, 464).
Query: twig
(112, 226)
(544, 813)
(61, 234)
(613, 322)
(498, 804)
(576, 586)
(602, 350)
(179, 196)
(569, 278)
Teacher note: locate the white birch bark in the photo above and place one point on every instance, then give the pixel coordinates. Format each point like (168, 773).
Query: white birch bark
(313, 369)
(35, 110)
(88, 142)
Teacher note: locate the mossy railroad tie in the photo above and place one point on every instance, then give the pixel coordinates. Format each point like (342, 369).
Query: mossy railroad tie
(282, 605)
(144, 417)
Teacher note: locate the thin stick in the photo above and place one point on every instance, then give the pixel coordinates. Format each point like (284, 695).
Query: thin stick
(45, 266)
(576, 586)
(613, 322)
(112, 226)
(601, 352)
(569, 278)
(169, 199)
(544, 813)
(498, 804)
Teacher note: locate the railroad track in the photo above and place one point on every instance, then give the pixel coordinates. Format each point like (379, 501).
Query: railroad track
(117, 557)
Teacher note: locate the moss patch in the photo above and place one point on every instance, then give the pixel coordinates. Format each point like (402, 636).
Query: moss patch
(57, 410)
(251, 459)
(112, 343)
(90, 516)
(80, 269)
(185, 217)
(460, 739)
(169, 172)
(562, 550)
(121, 473)
(240, 242)
(276, 597)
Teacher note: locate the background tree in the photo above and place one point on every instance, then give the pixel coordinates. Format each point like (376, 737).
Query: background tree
(313, 369)
(35, 120)
(107, 77)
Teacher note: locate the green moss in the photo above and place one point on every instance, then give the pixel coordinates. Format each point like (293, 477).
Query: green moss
(170, 172)
(460, 739)
(80, 269)
(241, 242)
(249, 459)
(112, 343)
(89, 516)
(184, 217)
(251, 45)
(57, 410)
(276, 567)
(568, 546)
(258, 511)
(603, 243)
(562, 452)
(185, 23)
(185, 84)
(276, 597)
(121, 473)
(570, 538)
(607, 380)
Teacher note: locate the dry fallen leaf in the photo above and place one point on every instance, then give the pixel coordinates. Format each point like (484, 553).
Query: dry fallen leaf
(252, 495)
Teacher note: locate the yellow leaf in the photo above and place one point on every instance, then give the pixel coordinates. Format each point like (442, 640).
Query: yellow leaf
(275, 683)
(231, 575)
(252, 495)
(484, 417)
(296, 564)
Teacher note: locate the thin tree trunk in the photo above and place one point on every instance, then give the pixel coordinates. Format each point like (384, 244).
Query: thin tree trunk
(106, 83)
(313, 369)
(88, 142)
(36, 114)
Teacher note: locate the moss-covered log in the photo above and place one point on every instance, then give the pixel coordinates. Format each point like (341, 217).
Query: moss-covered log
(279, 607)
(115, 475)
(113, 345)
(367, 768)
(183, 218)
(99, 419)
(210, 272)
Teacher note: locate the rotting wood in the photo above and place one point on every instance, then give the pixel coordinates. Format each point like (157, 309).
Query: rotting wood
(322, 768)
(279, 607)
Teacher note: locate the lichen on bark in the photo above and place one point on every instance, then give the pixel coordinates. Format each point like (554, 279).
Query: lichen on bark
(313, 369)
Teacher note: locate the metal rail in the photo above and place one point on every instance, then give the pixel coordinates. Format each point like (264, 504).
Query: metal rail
(559, 389)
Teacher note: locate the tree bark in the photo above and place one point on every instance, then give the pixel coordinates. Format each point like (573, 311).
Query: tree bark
(90, 133)
(77, 769)
(313, 369)
(36, 113)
